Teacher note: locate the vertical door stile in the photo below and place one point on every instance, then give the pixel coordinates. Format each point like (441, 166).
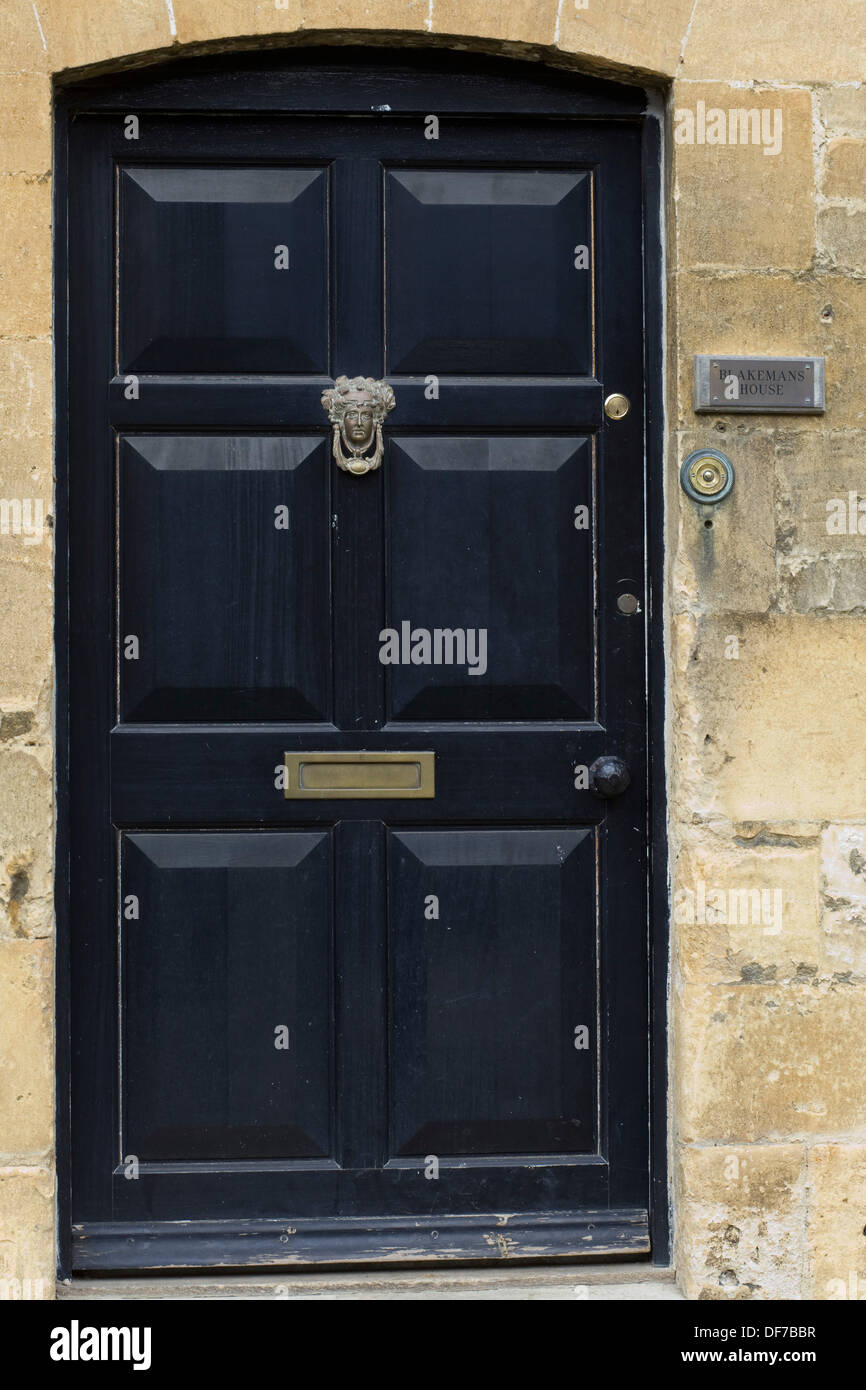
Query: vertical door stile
(358, 613)
(357, 350)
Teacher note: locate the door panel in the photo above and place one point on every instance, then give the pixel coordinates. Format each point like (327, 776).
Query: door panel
(505, 1037)
(492, 936)
(200, 284)
(464, 520)
(224, 573)
(226, 942)
(480, 271)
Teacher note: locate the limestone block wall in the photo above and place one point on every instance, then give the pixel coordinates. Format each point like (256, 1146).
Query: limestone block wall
(764, 609)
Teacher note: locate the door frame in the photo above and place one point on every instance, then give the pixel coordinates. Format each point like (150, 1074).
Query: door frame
(244, 80)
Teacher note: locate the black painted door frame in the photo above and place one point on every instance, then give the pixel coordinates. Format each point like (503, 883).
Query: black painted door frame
(312, 84)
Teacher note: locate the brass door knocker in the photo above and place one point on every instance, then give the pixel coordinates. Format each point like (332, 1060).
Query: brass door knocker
(357, 409)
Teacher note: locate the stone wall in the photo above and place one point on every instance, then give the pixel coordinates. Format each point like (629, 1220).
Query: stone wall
(767, 659)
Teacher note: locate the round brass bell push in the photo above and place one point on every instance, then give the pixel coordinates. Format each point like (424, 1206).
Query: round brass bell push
(617, 406)
(707, 475)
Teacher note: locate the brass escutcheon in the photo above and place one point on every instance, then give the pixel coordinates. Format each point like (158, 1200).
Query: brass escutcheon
(617, 406)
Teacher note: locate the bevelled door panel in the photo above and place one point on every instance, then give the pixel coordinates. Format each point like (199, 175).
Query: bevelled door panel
(224, 573)
(223, 269)
(491, 559)
(226, 951)
(493, 969)
(484, 271)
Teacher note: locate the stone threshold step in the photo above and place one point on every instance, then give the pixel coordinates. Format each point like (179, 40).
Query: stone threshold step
(593, 1283)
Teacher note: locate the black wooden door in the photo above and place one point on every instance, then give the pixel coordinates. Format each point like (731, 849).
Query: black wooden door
(356, 1025)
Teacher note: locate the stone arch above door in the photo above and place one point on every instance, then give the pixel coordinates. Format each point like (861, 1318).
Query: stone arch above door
(644, 39)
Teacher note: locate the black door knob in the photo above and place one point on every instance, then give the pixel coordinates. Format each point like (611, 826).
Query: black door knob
(609, 777)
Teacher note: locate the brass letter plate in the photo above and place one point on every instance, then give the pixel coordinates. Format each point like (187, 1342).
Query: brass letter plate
(348, 776)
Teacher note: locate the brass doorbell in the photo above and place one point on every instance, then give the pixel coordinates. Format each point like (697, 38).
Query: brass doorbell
(707, 475)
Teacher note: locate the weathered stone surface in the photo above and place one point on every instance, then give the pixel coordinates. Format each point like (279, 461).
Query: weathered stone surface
(688, 793)
(837, 1204)
(25, 254)
(781, 727)
(26, 384)
(796, 833)
(759, 1062)
(26, 832)
(815, 477)
(821, 548)
(25, 622)
(800, 41)
(530, 22)
(724, 557)
(27, 470)
(842, 238)
(26, 1050)
(27, 1220)
(723, 191)
(198, 20)
(778, 315)
(25, 124)
(215, 19)
(849, 587)
(22, 40)
(647, 36)
(746, 911)
(845, 169)
(843, 109)
(825, 585)
(843, 895)
(75, 35)
(742, 1234)
(16, 724)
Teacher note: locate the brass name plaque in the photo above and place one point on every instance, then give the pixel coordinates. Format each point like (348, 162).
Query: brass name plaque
(761, 385)
(348, 776)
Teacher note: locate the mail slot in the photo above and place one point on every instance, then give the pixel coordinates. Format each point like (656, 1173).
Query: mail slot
(351, 775)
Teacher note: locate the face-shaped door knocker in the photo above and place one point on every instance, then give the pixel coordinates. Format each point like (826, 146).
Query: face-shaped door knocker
(356, 409)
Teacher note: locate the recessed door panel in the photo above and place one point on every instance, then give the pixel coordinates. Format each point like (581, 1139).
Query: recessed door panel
(493, 949)
(226, 950)
(491, 555)
(484, 271)
(224, 558)
(223, 269)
